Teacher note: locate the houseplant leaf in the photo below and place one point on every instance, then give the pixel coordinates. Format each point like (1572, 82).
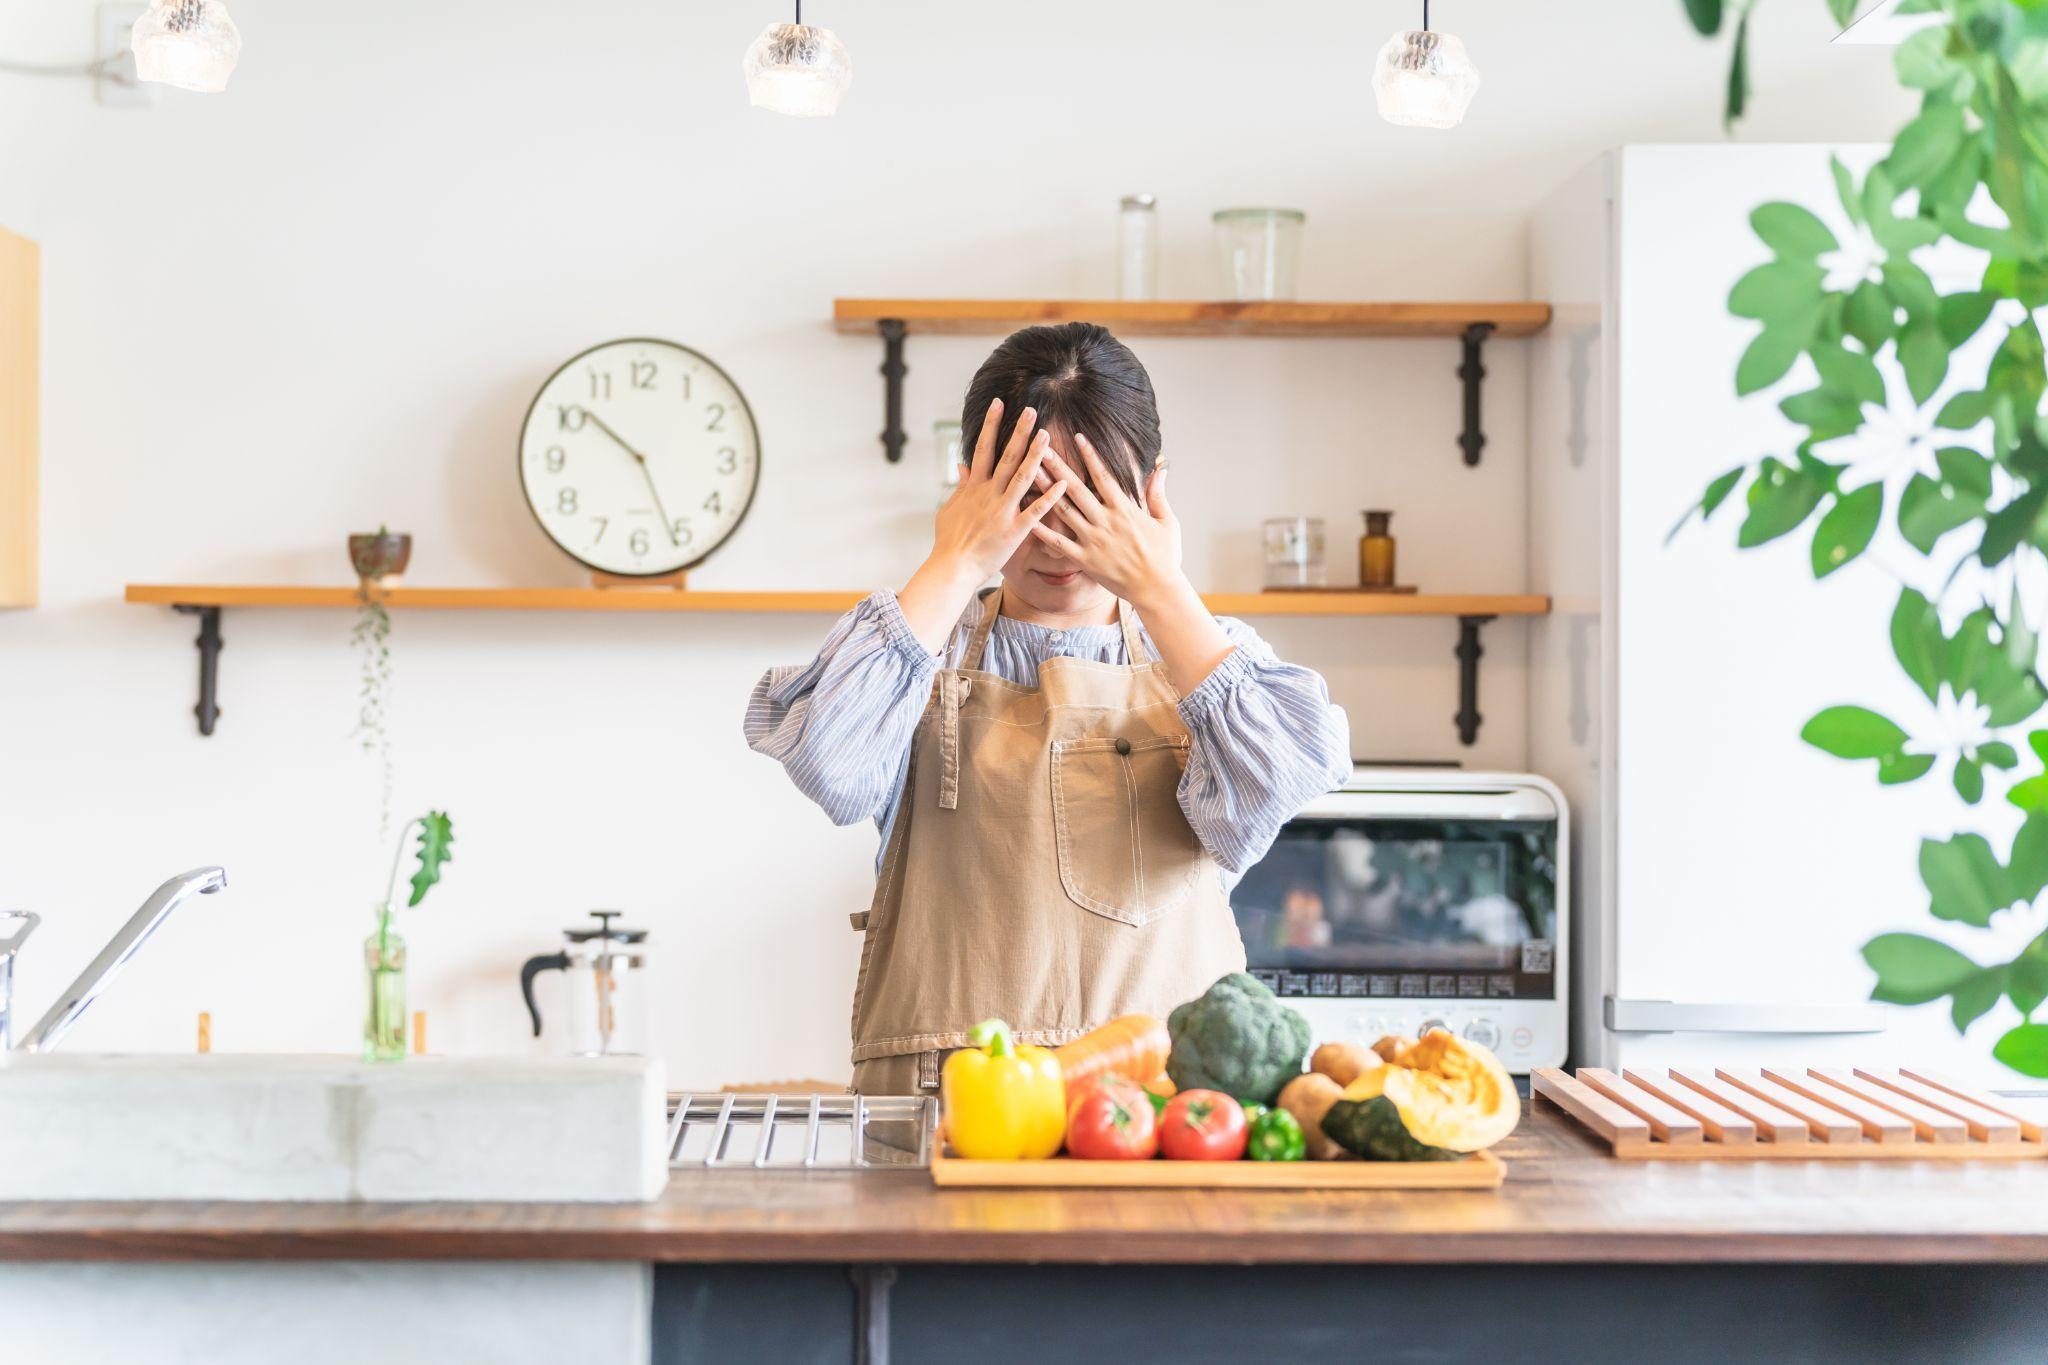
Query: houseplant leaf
(2024, 1049)
(437, 838)
(1853, 732)
(1846, 530)
(1964, 879)
(1913, 969)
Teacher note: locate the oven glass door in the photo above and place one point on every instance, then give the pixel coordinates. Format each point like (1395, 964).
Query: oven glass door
(1404, 908)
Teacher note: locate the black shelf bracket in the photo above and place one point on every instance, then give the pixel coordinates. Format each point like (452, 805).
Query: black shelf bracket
(893, 370)
(1469, 654)
(1473, 372)
(209, 642)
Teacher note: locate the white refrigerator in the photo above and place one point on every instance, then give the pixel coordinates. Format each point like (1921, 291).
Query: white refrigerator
(1727, 874)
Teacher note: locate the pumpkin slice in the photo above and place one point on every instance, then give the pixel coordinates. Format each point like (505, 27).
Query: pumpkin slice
(1435, 1100)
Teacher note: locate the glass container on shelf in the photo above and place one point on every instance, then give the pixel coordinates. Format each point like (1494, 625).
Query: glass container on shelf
(1137, 248)
(384, 964)
(1376, 551)
(946, 442)
(1294, 553)
(1257, 251)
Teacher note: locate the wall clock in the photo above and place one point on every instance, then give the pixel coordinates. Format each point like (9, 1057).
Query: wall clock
(639, 457)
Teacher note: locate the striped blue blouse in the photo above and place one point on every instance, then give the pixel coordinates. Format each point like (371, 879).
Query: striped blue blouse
(1264, 738)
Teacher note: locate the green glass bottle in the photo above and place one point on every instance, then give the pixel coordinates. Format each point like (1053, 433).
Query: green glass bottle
(384, 1024)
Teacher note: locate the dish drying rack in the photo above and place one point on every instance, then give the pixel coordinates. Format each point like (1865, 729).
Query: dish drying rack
(768, 1132)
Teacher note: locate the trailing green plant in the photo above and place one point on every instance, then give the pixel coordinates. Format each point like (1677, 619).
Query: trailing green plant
(371, 639)
(1894, 431)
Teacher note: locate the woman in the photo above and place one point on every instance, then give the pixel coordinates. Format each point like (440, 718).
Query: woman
(1068, 771)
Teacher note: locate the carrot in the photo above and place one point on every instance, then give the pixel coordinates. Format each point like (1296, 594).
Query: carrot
(1134, 1046)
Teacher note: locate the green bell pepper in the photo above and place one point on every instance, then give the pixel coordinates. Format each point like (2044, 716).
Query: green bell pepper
(1275, 1136)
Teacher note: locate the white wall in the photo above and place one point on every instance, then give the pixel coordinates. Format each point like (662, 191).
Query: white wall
(323, 300)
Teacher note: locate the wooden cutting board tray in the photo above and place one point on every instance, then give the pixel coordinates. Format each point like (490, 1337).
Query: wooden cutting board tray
(1480, 1171)
(1789, 1113)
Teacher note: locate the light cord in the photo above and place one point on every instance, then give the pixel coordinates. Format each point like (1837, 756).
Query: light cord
(104, 67)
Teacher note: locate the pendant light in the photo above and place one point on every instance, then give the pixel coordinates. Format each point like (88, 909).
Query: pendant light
(1424, 79)
(191, 44)
(797, 69)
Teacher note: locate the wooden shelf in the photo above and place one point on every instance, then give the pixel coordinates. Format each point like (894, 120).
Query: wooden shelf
(829, 603)
(1470, 324)
(1194, 317)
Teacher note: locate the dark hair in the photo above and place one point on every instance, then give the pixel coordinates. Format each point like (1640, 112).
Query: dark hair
(1079, 378)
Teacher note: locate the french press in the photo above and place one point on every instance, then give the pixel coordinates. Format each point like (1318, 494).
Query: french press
(607, 992)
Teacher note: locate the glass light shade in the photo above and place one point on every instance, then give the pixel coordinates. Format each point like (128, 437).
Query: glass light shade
(191, 44)
(1424, 79)
(797, 69)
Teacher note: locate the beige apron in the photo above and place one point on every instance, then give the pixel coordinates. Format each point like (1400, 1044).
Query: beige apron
(1040, 869)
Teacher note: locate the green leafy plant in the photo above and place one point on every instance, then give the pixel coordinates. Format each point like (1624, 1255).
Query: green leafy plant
(1892, 429)
(435, 850)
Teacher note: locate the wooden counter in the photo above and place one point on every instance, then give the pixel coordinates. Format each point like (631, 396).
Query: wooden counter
(1565, 1201)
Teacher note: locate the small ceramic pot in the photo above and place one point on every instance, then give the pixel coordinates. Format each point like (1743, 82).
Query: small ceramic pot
(380, 559)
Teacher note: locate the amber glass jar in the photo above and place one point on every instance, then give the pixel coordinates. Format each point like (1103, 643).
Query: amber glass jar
(1376, 552)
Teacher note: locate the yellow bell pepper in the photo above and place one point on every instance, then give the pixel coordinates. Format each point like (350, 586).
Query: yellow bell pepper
(1003, 1102)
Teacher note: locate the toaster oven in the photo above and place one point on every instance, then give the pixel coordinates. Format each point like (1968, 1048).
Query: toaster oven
(1408, 900)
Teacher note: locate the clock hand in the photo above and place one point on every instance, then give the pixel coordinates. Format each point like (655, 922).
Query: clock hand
(645, 473)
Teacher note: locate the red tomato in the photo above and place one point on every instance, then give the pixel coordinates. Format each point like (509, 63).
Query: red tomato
(1109, 1119)
(1202, 1125)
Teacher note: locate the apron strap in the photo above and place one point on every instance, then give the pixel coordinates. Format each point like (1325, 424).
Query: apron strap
(953, 687)
(991, 608)
(1134, 644)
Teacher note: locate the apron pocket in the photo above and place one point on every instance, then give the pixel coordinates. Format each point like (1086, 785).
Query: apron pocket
(1125, 849)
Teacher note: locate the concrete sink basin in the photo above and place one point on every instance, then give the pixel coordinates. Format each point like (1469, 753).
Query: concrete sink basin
(257, 1127)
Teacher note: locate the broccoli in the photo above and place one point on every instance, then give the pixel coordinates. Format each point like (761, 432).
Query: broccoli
(1238, 1039)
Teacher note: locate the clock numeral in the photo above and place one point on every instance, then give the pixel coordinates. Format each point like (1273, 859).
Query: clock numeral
(686, 388)
(556, 458)
(637, 542)
(643, 374)
(572, 416)
(602, 522)
(717, 422)
(728, 460)
(713, 505)
(683, 533)
(565, 502)
(600, 384)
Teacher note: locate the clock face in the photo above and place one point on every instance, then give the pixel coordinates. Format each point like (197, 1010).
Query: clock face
(639, 457)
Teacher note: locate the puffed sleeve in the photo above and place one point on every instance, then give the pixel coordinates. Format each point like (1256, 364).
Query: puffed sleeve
(1264, 741)
(841, 725)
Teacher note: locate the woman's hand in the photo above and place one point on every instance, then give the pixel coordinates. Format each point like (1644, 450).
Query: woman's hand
(980, 526)
(1133, 551)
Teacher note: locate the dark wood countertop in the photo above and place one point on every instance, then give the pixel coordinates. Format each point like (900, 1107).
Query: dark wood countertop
(1564, 1201)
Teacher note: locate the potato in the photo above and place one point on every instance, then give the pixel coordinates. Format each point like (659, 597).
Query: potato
(1308, 1097)
(1391, 1045)
(1342, 1062)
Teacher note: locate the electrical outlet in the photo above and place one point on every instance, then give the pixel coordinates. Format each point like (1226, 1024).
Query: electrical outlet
(116, 85)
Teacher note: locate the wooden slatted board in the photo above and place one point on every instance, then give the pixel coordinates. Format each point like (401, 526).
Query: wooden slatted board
(1789, 1113)
(1480, 1171)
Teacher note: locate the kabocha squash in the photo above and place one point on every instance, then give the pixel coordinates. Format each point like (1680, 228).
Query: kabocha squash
(1437, 1100)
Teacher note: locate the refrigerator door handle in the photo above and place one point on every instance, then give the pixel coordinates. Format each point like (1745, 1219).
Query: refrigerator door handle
(1664, 1016)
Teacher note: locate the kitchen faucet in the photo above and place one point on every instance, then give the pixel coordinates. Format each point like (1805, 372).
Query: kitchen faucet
(81, 993)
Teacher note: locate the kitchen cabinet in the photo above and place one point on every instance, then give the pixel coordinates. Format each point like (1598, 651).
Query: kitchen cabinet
(20, 370)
